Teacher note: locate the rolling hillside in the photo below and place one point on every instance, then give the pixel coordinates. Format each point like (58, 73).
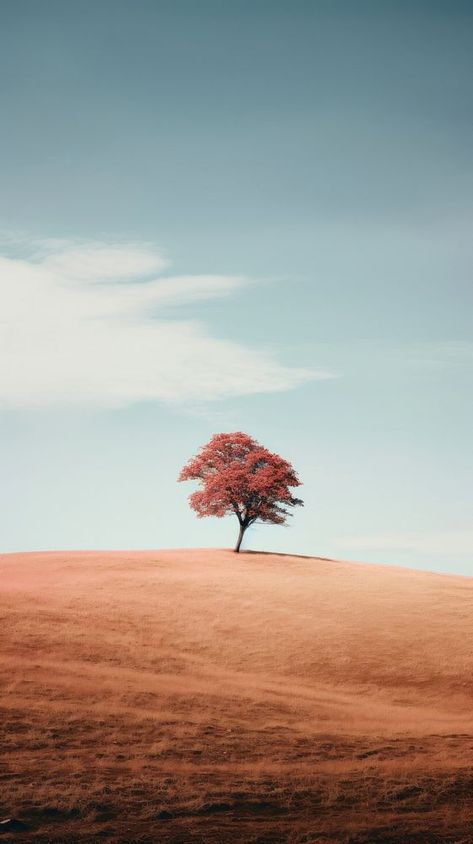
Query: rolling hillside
(202, 696)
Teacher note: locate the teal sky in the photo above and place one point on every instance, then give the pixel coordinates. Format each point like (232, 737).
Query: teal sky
(246, 216)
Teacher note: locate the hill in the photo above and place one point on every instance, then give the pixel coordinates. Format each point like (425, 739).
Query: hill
(203, 696)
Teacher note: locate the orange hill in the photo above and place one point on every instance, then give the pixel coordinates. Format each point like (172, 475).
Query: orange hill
(200, 695)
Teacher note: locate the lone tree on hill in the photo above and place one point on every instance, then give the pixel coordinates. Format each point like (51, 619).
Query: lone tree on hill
(239, 476)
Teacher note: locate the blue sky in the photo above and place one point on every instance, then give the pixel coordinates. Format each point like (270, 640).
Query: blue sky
(237, 216)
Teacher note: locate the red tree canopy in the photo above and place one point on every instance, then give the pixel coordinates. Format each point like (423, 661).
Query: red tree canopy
(238, 476)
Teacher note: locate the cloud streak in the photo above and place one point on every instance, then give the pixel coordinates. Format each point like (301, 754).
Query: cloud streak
(89, 324)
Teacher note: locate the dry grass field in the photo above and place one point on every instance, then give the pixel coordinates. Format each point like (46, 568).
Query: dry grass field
(203, 696)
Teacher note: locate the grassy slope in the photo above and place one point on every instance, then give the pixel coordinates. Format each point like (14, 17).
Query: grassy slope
(253, 698)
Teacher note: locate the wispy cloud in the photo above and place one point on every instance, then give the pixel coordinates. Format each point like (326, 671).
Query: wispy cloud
(439, 356)
(89, 324)
(92, 261)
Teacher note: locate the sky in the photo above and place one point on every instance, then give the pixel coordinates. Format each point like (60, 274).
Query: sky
(247, 216)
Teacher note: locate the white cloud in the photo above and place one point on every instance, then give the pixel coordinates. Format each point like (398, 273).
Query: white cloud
(101, 261)
(87, 324)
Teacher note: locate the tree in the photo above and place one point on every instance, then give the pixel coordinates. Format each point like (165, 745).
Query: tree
(239, 477)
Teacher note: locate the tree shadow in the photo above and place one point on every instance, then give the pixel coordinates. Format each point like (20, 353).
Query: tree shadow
(297, 556)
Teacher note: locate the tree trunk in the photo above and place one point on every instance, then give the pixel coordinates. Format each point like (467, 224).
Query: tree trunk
(240, 537)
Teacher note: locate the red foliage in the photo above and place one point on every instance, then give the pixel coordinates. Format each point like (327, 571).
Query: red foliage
(239, 476)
